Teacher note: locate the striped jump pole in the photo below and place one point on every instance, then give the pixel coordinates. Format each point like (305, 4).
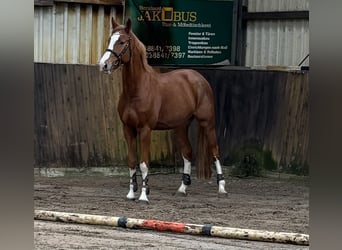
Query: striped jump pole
(176, 227)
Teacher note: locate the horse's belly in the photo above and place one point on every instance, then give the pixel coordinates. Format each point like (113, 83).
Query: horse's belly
(164, 124)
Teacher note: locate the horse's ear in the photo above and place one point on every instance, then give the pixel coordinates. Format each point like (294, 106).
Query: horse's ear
(114, 23)
(128, 25)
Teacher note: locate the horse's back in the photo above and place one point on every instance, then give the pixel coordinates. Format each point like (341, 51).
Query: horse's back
(189, 75)
(184, 82)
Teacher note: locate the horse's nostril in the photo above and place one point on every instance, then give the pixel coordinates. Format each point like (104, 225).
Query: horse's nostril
(105, 66)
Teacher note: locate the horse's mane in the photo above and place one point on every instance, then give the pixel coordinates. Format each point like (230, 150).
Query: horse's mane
(139, 46)
(142, 52)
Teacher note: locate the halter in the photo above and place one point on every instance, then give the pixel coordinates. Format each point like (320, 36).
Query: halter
(123, 51)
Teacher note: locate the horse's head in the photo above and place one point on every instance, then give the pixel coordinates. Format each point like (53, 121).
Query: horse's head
(119, 47)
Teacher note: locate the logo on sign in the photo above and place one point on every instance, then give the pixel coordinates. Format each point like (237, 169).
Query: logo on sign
(165, 14)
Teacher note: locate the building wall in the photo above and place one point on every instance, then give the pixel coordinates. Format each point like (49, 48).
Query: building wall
(77, 33)
(277, 5)
(277, 42)
(72, 32)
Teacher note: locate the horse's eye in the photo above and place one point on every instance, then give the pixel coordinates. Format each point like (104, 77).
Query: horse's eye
(122, 43)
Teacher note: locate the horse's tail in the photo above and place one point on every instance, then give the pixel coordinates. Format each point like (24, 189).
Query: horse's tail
(203, 157)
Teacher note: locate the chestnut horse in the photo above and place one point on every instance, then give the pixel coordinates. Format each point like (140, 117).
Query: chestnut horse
(161, 101)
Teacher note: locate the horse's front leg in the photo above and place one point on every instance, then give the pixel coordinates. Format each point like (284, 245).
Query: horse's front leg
(186, 179)
(131, 139)
(145, 141)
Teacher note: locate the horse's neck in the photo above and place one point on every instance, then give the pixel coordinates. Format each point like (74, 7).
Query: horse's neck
(136, 75)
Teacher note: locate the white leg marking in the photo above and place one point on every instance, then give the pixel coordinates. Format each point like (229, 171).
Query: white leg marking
(221, 183)
(187, 166)
(130, 194)
(144, 172)
(218, 167)
(187, 170)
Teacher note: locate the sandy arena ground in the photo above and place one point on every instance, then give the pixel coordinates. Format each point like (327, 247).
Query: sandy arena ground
(273, 204)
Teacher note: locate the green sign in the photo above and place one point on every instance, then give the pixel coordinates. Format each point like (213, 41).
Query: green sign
(184, 32)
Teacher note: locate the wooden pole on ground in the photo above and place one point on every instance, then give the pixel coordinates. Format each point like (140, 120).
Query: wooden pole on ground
(223, 232)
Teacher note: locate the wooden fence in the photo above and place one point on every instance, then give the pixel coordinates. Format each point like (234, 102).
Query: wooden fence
(76, 122)
(265, 107)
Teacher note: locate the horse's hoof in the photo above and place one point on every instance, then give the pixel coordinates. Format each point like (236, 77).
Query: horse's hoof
(222, 194)
(130, 195)
(181, 194)
(130, 199)
(182, 189)
(144, 202)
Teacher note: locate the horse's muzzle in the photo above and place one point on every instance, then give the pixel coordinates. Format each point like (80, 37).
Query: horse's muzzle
(108, 67)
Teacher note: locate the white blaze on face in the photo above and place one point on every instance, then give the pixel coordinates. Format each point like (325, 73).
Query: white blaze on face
(106, 55)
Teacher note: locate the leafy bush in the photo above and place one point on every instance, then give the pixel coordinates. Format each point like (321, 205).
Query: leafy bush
(251, 160)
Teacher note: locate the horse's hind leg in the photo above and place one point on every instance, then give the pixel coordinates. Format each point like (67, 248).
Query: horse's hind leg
(206, 120)
(211, 137)
(181, 135)
(205, 115)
